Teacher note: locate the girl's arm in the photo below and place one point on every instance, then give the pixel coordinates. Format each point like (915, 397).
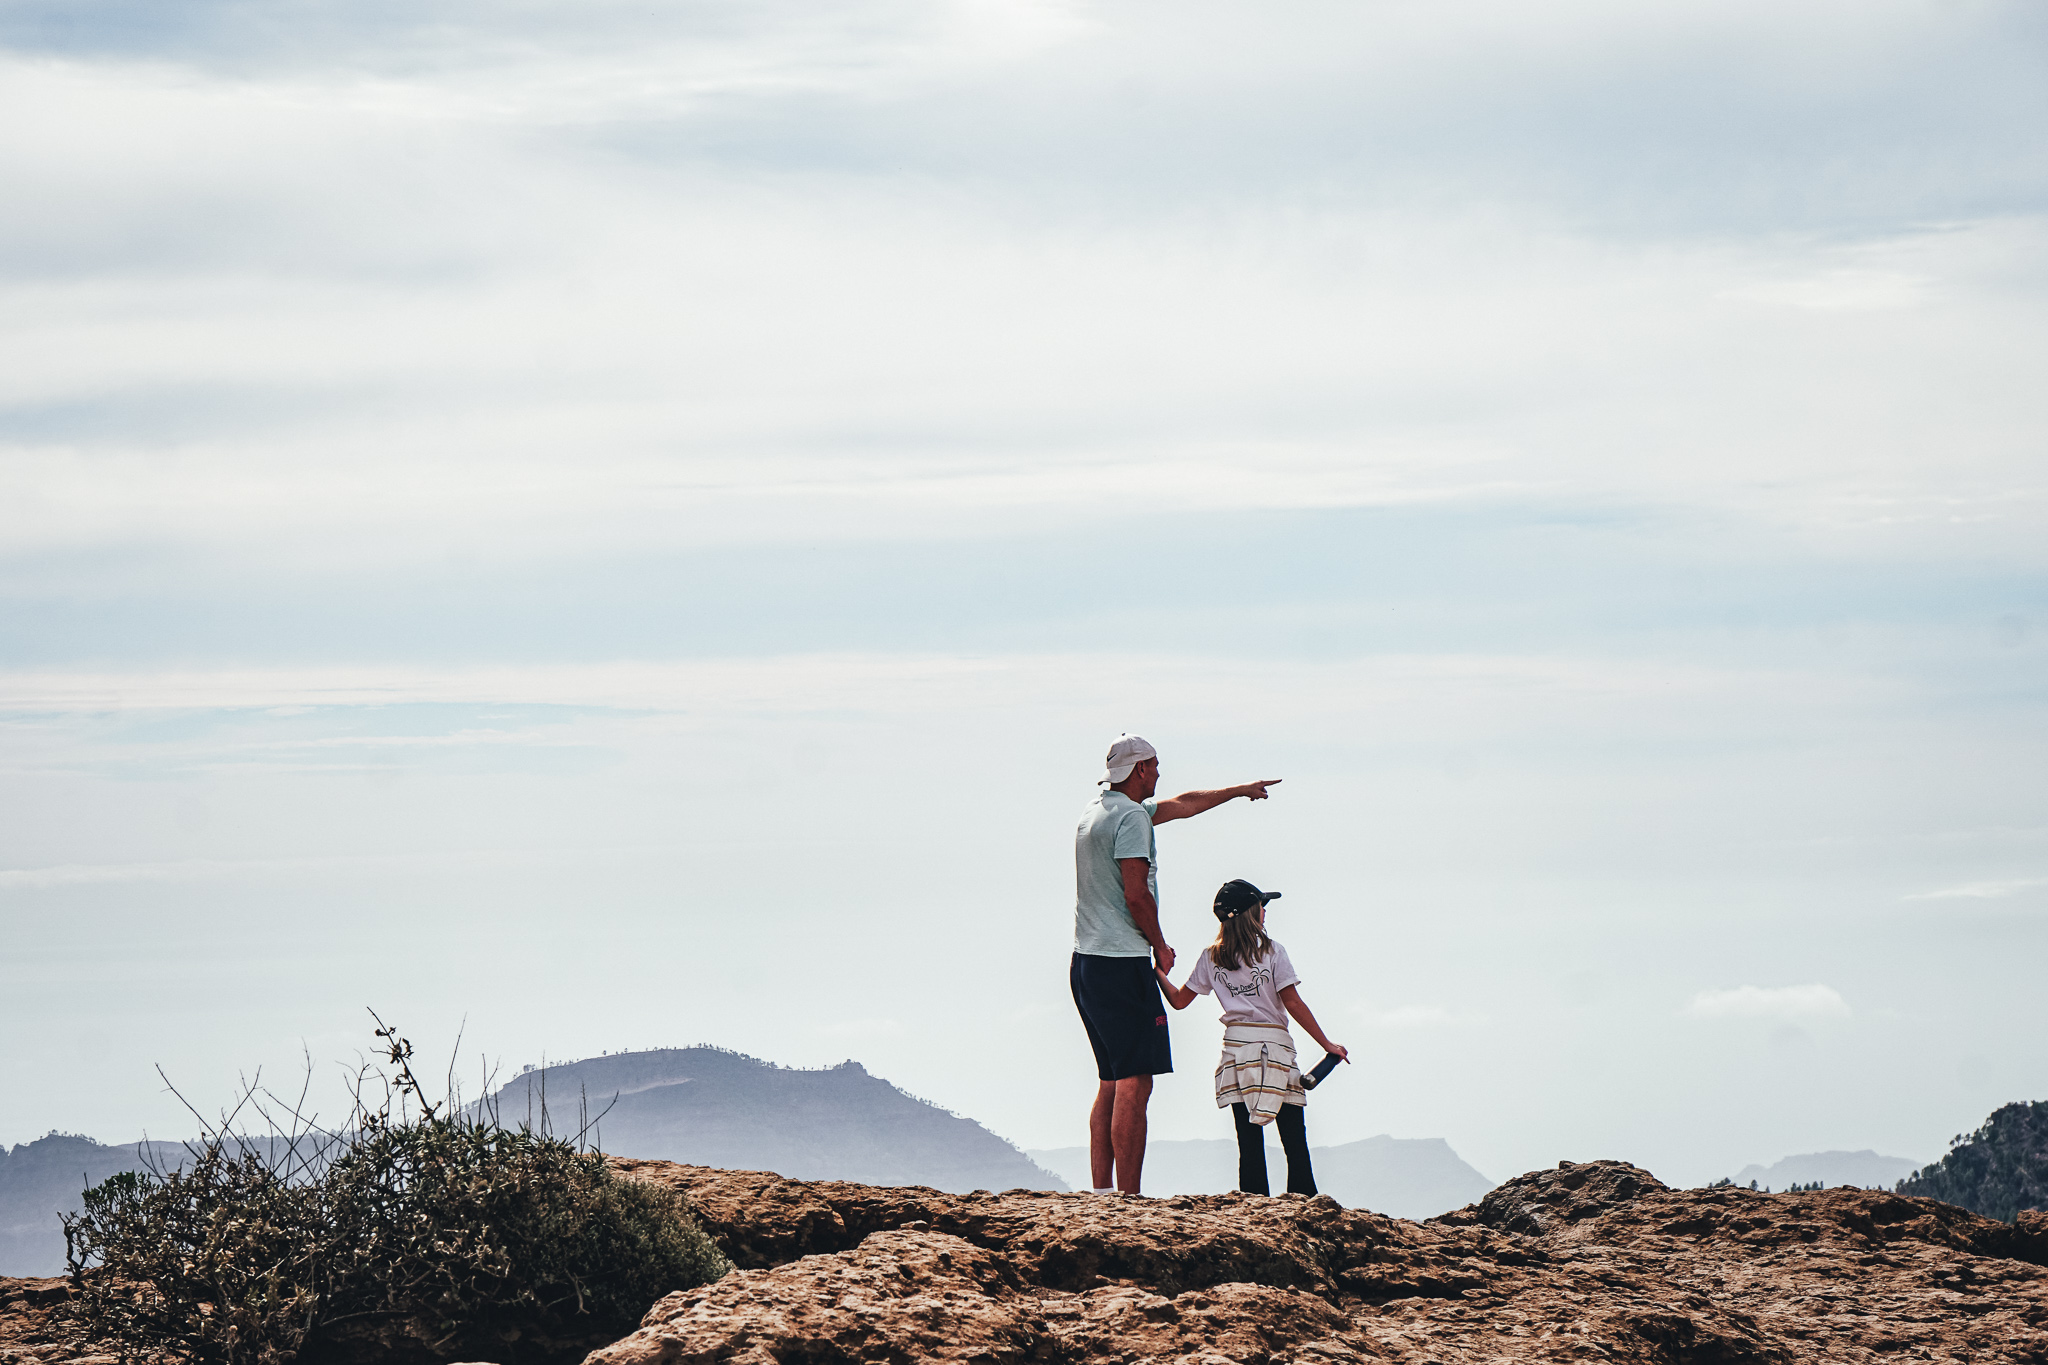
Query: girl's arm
(1298, 1009)
(1180, 997)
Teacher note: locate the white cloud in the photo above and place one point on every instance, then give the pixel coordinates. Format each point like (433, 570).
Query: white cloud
(1473, 696)
(1840, 290)
(1990, 890)
(238, 869)
(1813, 1001)
(441, 319)
(89, 874)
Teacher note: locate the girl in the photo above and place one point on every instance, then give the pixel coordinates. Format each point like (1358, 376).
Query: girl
(1254, 982)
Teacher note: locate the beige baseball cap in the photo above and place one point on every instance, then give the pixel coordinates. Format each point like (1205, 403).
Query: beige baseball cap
(1124, 755)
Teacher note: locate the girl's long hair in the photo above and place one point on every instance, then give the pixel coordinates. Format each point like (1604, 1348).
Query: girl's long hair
(1240, 941)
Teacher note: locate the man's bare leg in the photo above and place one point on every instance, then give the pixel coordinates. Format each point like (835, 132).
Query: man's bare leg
(1100, 1121)
(1127, 1130)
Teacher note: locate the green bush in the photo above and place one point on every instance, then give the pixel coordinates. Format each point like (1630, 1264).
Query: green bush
(436, 1239)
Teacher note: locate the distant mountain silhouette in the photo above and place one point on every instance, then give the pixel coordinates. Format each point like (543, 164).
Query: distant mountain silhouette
(702, 1105)
(711, 1107)
(43, 1179)
(1865, 1170)
(1404, 1177)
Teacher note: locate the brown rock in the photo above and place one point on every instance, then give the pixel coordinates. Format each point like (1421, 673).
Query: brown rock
(897, 1296)
(35, 1329)
(1541, 1200)
(1593, 1261)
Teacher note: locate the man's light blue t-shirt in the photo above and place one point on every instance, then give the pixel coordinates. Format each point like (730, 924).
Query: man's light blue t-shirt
(1113, 827)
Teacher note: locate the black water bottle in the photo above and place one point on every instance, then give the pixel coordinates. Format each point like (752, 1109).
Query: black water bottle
(1322, 1071)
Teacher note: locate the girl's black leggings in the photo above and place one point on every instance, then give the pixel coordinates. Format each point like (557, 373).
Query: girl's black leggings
(1251, 1150)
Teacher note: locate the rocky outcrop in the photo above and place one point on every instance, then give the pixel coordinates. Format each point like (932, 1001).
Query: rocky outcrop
(1596, 1261)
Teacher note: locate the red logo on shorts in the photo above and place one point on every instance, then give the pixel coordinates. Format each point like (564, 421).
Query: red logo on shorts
(1160, 1021)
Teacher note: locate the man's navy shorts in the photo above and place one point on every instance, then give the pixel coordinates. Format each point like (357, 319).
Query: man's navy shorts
(1126, 1019)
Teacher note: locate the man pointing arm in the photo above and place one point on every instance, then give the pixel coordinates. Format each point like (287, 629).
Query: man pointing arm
(1117, 938)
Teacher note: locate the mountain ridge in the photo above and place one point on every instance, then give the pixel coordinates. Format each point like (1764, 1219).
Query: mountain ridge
(1866, 1169)
(715, 1106)
(46, 1178)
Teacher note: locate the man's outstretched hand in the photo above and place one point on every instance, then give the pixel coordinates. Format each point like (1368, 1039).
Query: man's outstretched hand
(1195, 802)
(1162, 957)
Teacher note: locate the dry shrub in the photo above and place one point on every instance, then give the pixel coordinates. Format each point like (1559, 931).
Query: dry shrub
(437, 1238)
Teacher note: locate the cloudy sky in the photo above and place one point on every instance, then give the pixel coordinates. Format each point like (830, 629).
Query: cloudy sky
(633, 525)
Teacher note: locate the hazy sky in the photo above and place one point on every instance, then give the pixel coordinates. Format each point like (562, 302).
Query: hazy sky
(634, 525)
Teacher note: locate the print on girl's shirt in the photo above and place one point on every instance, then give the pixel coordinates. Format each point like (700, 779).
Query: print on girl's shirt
(1257, 1000)
(1260, 974)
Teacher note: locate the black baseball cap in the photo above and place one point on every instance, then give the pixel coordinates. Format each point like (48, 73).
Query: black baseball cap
(1237, 896)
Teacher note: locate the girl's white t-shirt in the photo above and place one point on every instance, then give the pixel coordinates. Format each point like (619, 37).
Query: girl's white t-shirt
(1251, 994)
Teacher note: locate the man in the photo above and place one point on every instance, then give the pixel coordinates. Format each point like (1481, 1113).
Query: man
(1116, 941)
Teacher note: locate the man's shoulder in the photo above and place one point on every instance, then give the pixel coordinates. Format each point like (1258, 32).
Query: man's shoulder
(1121, 806)
(1113, 805)
(1108, 819)
(1099, 819)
